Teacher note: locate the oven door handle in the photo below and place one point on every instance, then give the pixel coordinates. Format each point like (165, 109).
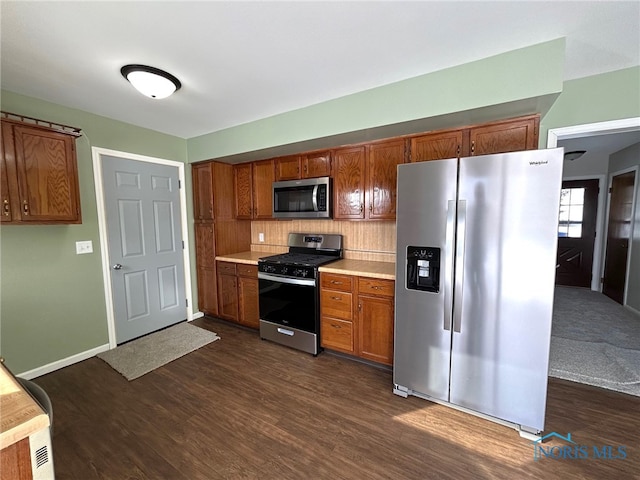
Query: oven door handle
(309, 282)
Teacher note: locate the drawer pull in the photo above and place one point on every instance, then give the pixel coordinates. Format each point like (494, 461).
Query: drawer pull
(284, 331)
(335, 282)
(336, 326)
(336, 298)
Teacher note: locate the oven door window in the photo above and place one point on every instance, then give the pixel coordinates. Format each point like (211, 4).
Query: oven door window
(288, 305)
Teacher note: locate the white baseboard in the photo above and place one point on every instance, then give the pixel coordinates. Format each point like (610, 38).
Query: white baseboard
(637, 312)
(65, 362)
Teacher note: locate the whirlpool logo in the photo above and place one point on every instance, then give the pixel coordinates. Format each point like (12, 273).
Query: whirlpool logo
(574, 451)
(538, 162)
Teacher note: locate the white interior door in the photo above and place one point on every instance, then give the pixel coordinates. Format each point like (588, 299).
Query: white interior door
(145, 247)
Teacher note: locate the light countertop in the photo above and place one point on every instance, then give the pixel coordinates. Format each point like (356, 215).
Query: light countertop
(21, 415)
(362, 268)
(250, 258)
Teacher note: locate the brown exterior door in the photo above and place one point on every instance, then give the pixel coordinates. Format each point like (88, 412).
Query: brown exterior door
(618, 235)
(576, 232)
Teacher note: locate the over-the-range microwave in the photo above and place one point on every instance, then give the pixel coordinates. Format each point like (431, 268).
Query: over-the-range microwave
(305, 198)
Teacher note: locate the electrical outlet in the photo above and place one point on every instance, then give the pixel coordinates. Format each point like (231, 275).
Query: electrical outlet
(261, 237)
(84, 247)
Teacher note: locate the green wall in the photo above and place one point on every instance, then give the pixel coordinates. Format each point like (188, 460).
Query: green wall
(500, 80)
(52, 300)
(599, 98)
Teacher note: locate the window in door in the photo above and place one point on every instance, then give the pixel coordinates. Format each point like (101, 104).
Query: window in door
(571, 212)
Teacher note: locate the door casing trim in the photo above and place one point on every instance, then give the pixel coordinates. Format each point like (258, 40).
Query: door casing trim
(96, 154)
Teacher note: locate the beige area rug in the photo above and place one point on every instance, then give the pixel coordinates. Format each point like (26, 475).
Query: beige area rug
(141, 356)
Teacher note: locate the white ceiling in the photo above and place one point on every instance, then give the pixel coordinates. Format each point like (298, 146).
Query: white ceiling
(242, 61)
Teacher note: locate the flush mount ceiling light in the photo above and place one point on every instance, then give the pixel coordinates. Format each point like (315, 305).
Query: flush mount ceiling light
(574, 155)
(151, 81)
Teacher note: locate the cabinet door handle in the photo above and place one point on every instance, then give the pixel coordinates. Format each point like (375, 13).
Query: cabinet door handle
(25, 207)
(305, 169)
(361, 207)
(5, 207)
(473, 147)
(371, 207)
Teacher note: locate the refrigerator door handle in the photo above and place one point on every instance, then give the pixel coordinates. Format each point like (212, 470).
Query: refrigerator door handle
(448, 263)
(459, 265)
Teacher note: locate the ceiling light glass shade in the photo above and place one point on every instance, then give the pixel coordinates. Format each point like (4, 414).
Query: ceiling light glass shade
(574, 155)
(151, 81)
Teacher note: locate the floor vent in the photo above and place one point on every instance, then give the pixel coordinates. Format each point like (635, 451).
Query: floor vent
(42, 456)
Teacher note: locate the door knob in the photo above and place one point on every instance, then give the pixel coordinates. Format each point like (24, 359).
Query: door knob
(117, 266)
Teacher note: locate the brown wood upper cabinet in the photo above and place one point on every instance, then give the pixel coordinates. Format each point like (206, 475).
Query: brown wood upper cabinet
(202, 192)
(309, 165)
(212, 191)
(497, 137)
(39, 175)
(253, 190)
(365, 180)
(503, 137)
(437, 146)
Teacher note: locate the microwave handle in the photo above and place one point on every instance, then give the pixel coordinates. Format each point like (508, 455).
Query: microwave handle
(315, 198)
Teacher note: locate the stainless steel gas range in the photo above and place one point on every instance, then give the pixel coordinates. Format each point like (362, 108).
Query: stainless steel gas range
(289, 294)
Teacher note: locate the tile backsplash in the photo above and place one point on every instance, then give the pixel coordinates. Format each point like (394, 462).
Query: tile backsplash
(362, 240)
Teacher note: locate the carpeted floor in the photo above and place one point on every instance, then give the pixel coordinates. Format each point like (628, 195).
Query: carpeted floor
(595, 340)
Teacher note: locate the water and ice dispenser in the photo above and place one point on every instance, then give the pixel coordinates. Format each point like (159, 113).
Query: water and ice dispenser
(423, 269)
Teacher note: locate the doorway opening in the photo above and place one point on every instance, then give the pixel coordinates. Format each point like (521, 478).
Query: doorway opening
(599, 140)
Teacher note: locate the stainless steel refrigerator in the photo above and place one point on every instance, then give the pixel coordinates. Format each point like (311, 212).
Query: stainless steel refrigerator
(475, 269)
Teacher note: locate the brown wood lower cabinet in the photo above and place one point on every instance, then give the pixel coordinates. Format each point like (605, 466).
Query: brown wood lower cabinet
(337, 330)
(227, 291)
(238, 293)
(375, 319)
(16, 461)
(248, 307)
(357, 316)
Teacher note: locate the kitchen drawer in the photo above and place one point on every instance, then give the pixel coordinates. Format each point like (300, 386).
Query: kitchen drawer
(337, 334)
(227, 268)
(246, 270)
(335, 304)
(336, 282)
(376, 286)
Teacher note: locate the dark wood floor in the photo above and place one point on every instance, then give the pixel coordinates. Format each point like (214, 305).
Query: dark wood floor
(245, 408)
